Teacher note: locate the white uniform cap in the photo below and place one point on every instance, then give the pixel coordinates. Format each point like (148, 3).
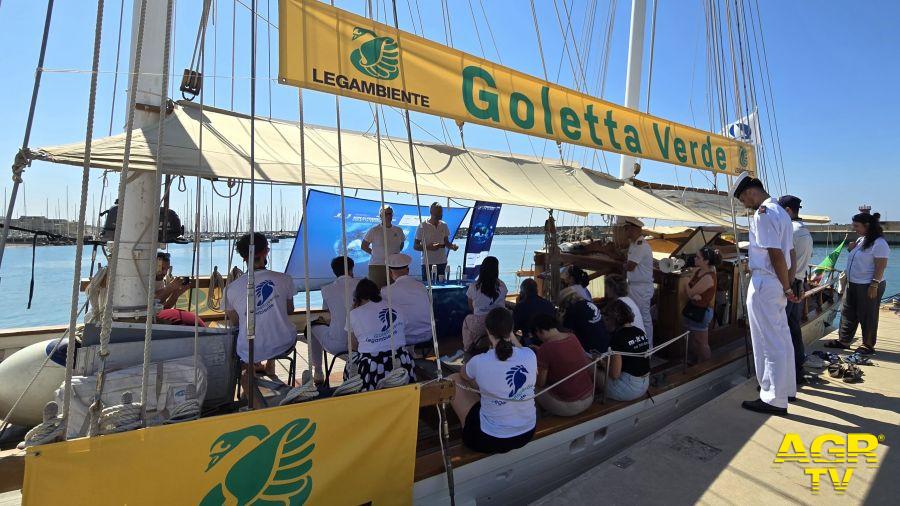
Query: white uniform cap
(399, 261)
(621, 221)
(743, 181)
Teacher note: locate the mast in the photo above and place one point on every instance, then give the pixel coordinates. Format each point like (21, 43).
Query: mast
(136, 215)
(633, 74)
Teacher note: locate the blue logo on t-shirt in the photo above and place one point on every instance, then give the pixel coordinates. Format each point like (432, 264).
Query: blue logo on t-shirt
(383, 317)
(264, 294)
(516, 377)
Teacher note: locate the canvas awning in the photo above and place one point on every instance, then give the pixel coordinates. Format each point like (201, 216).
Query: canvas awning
(442, 170)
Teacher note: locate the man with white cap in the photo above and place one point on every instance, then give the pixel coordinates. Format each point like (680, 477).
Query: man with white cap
(771, 241)
(639, 268)
(409, 297)
(374, 244)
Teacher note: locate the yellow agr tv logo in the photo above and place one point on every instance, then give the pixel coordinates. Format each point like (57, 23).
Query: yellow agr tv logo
(832, 457)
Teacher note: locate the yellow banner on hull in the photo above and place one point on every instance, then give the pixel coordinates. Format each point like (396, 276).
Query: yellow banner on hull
(335, 51)
(356, 449)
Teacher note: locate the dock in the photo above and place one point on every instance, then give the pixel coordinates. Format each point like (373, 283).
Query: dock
(723, 454)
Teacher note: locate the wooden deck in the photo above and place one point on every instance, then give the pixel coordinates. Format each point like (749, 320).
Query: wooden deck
(722, 454)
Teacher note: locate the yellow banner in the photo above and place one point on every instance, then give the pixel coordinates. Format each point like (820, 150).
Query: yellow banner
(350, 450)
(335, 51)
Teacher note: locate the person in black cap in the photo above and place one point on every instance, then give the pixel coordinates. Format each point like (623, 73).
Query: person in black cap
(771, 241)
(800, 256)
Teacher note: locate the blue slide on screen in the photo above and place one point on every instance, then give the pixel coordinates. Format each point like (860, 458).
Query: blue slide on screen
(325, 240)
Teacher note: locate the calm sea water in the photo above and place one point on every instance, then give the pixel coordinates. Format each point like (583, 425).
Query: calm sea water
(53, 273)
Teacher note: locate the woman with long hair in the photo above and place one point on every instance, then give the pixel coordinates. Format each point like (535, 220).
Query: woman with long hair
(865, 284)
(486, 293)
(376, 329)
(501, 416)
(528, 305)
(701, 294)
(629, 377)
(559, 356)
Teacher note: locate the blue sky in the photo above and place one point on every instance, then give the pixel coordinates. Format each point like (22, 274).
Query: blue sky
(834, 74)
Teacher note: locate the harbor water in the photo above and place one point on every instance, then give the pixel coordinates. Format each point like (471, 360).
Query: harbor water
(53, 273)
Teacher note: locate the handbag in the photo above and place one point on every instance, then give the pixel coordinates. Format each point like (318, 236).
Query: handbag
(694, 312)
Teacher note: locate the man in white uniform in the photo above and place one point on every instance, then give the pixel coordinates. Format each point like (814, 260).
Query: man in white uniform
(639, 269)
(800, 256)
(274, 294)
(409, 297)
(433, 235)
(771, 241)
(337, 299)
(374, 244)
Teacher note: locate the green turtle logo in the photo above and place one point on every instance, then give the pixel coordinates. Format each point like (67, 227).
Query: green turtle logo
(377, 57)
(743, 157)
(274, 470)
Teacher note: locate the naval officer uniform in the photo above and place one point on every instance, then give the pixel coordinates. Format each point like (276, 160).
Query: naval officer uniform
(770, 227)
(640, 279)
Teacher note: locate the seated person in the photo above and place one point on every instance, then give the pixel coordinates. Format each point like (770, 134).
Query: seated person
(486, 293)
(409, 296)
(492, 423)
(575, 276)
(274, 294)
(616, 288)
(336, 297)
(582, 317)
(168, 293)
(528, 305)
(376, 330)
(174, 316)
(629, 377)
(559, 356)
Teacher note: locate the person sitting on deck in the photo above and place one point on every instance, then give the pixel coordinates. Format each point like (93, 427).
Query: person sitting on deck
(274, 301)
(168, 293)
(575, 276)
(486, 293)
(629, 377)
(560, 356)
(501, 416)
(616, 288)
(410, 297)
(376, 329)
(336, 297)
(582, 317)
(528, 305)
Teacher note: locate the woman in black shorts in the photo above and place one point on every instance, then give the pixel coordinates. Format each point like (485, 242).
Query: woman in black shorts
(503, 416)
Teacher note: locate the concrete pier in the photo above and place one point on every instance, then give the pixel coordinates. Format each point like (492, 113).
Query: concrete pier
(722, 454)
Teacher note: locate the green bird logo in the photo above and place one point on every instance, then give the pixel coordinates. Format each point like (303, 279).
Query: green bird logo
(743, 157)
(377, 57)
(274, 468)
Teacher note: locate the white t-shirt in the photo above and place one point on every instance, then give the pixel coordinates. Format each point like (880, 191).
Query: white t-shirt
(513, 378)
(370, 324)
(274, 331)
(410, 297)
(640, 253)
(770, 227)
(337, 298)
(638, 319)
(428, 234)
(861, 263)
(481, 303)
(803, 248)
(375, 237)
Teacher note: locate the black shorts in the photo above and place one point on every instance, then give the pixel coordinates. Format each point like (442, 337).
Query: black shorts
(475, 439)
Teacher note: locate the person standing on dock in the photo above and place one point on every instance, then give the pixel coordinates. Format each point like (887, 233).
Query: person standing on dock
(771, 241)
(639, 269)
(802, 253)
(433, 235)
(374, 244)
(865, 288)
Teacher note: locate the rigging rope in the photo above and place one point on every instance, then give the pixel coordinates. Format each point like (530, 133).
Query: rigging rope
(106, 323)
(82, 213)
(21, 160)
(251, 257)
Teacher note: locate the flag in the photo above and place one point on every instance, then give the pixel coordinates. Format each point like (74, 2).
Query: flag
(745, 129)
(827, 265)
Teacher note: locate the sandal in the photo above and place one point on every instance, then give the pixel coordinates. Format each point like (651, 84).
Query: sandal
(837, 370)
(858, 359)
(836, 343)
(853, 374)
(865, 350)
